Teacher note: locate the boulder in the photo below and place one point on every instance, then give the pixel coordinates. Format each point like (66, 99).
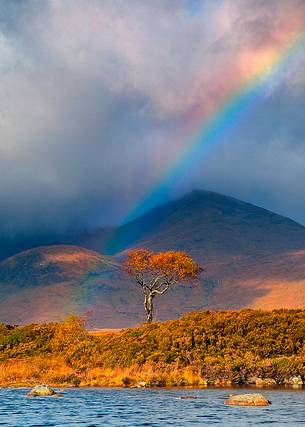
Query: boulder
(250, 399)
(251, 380)
(294, 381)
(41, 391)
(142, 384)
(261, 382)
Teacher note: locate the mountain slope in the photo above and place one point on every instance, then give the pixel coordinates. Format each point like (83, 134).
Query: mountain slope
(253, 258)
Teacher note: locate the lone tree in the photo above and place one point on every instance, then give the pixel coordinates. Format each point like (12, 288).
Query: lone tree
(156, 273)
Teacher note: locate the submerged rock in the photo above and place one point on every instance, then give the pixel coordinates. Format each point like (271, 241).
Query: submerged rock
(249, 399)
(42, 390)
(188, 397)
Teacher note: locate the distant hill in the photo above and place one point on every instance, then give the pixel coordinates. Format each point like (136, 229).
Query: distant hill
(253, 258)
(47, 283)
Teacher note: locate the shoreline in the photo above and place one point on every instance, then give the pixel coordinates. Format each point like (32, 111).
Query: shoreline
(282, 387)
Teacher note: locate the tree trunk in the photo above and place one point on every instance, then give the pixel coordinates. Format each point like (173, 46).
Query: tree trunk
(149, 307)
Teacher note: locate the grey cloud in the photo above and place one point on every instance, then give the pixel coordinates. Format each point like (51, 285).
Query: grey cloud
(93, 95)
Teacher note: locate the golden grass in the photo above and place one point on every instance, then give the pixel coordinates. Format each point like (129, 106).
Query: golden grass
(55, 372)
(103, 332)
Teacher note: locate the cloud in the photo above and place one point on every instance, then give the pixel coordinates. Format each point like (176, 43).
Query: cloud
(97, 98)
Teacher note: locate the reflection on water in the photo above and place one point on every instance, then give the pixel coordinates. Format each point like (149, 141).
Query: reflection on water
(148, 407)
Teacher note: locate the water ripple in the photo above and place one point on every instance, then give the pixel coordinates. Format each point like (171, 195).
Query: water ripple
(149, 407)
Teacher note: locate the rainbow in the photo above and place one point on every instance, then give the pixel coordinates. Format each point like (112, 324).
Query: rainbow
(207, 133)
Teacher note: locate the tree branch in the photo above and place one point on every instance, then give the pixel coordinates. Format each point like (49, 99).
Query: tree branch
(140, 279)
(153, 283)
(158, 292)
(166, 282)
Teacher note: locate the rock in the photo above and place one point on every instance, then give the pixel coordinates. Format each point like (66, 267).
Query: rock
(181, 382)
(42, 390)
(251, 380)
(142, 384)
(157, 382)
(188, 397)
(265, 382)
(294, 380)
(251, 399)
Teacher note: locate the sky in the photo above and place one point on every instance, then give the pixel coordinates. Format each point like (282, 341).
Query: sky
(97, 97)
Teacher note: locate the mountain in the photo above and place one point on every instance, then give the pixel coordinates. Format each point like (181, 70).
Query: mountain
(252, 258)
(43, 283)
(210, 223)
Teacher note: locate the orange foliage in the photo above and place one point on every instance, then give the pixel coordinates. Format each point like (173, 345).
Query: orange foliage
(176, 266)
(137, 261)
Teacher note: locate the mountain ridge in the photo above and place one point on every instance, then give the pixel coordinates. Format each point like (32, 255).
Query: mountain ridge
(104, 239)
(218, 205)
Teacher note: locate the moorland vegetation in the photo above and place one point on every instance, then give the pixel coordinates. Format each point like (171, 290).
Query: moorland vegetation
(220, 348)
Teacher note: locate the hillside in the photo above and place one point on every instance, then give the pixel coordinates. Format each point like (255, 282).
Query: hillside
(220, 348)
(47, 283)
(253, 258)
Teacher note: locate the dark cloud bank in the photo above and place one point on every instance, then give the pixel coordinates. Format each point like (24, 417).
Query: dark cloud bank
(93, 94)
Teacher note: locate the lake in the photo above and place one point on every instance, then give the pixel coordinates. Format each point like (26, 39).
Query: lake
(148, 407)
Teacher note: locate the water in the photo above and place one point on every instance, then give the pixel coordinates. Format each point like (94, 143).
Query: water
(148, 407)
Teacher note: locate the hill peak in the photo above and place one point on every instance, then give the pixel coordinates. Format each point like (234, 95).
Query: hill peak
(203, 215)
